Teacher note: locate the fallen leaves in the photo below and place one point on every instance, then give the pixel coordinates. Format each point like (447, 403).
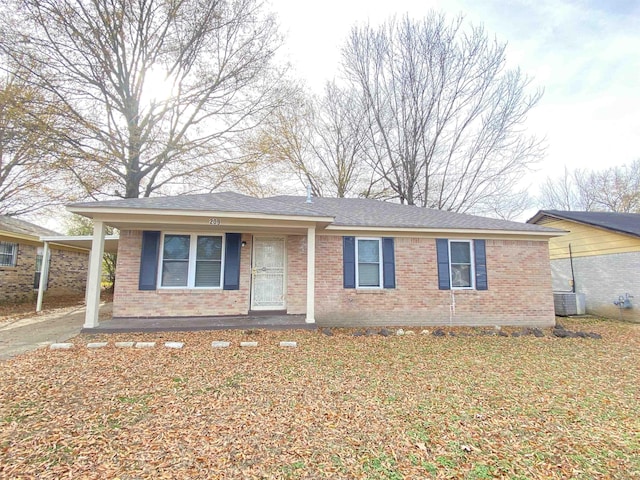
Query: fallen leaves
(335, 407)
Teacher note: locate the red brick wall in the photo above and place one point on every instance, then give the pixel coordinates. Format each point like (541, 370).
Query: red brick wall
(67, 274)
(518, 272)
(297, 274)
(16, 283)
(131, 302)
(519, 288)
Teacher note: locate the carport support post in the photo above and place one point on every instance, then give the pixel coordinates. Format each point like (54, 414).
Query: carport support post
(311, 275)
(44, 275)
(95, 274)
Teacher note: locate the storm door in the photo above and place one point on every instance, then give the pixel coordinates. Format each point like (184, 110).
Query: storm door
(268, 274)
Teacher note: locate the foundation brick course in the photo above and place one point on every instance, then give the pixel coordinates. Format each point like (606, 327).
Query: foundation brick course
(519, 291)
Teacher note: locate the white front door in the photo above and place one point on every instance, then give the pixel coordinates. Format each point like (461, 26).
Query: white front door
(268, 273)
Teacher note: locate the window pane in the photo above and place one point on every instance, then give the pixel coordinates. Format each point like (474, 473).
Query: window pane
(174, 273)
(460, 252)
(208, 273)
(461, 275)
(176, 247)
(8, 254)
(209, 248)
(368, 275)
(368, 251)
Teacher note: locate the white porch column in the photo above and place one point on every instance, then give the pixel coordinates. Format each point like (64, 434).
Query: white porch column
(44, 276)
(95, 275)
(311, 275)
(86, 282)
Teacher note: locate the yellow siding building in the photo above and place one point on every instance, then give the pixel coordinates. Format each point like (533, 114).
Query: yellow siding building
(600, 255)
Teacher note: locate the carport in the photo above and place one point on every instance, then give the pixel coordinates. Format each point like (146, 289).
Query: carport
(77, 242)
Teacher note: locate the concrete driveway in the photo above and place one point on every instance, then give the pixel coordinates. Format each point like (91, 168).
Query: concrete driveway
(25, 334)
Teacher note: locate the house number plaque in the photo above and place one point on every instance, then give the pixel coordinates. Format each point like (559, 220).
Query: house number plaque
(214, 221)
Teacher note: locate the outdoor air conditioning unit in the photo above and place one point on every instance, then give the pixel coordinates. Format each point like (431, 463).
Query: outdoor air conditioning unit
(568, 303)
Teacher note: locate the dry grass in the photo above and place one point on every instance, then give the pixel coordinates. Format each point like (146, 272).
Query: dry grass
(336, 407)
(10, 311)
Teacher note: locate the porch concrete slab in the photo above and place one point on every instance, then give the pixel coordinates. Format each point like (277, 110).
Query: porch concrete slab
(186, 324)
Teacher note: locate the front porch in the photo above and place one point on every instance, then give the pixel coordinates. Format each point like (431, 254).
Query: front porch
(189, 324)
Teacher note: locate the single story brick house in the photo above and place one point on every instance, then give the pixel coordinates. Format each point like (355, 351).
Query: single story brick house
(338, 261)
(598, 258)
(21, 259)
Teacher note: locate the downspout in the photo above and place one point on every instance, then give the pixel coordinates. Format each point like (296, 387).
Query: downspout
(573, 278)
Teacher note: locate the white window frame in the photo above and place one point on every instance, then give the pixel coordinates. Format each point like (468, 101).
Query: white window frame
(13, 256)
(380, 264)
(191, 262)
(472, 266)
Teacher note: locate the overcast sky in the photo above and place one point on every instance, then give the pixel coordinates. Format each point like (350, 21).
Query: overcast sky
(584, 53)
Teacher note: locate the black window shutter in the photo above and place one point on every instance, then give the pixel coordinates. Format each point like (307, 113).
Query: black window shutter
(442, 247)
(481, 265)
(388, 263)
(233, 245)
(149, 260)
(349, 261)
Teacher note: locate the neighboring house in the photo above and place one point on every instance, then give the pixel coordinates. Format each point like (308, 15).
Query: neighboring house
(339, 261)
(21, 254)
(599, 257)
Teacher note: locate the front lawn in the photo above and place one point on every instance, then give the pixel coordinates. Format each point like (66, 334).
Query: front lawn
(336, 406)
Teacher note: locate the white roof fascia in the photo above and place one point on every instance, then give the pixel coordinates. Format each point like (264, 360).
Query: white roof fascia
(443, 231)
(100, 211)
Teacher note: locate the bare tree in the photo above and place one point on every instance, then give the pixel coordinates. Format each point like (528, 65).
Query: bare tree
(338, 144)
(83, 226)
(613, 189)
(444, 115)
(616, 189)
(319, 140)
(29, 163)
(282, 144)
(561, 193)
(155, 89)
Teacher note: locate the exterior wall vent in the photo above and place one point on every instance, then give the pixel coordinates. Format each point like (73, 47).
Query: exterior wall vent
(568, 303)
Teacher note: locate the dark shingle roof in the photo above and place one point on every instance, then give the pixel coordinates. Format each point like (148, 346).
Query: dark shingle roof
(347, 212)
(364, 212)
(218, 202)
(15, 225)
(628, 223)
